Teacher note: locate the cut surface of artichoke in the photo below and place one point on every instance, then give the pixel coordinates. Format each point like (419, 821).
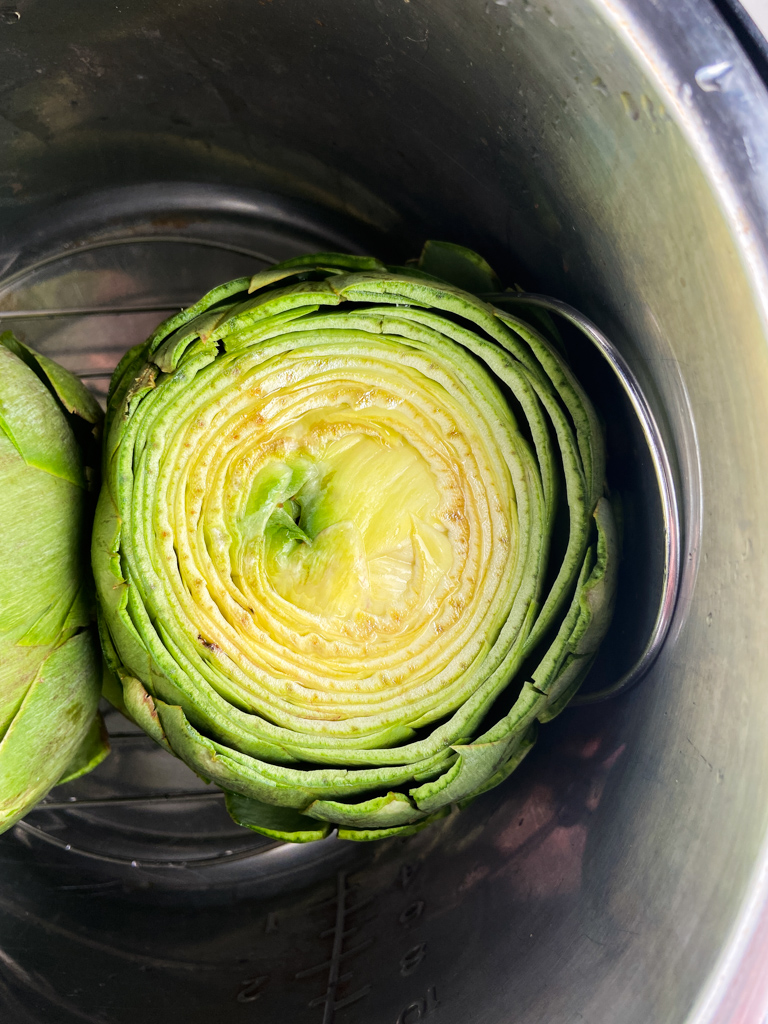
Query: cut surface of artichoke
(323, 546)
(336, 538)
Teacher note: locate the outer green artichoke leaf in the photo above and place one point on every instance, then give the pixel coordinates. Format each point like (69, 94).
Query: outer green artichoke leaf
(140, 706)
(483, 758)
(566, 685)
(71, 392)
(570, 392)
(303, 295)
(571, 653)
(93, 748)
(276, 822)
(366, 835)
(112, 690)
(43, 513)
(273, 783)
(344, 506)
(49, 676)
(216, 295)
(378, 812)
(168, 355)
(332, 262)
(31, 420)
(597, 597)
(123, 377)
(462, 267)
(536, 316)
(521, 750)
(49, 727)
(68, 610)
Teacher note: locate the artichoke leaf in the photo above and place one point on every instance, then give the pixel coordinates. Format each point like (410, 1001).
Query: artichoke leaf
(521, 750)
(50, 626)
(216, 295)
(567, 387)
(283, 786)
(461, 267)
(140, 706)
(566, 685)
(599, 592)
(50, 673)
(378, 812)
(484, 756)
(70, 390)
(283, 823)
(168, 355)
(56, 714)
(34, 424)
(365, 835)
(569, 682)
(93, 748)
(587, 619)
(282, 300)
(332, 261)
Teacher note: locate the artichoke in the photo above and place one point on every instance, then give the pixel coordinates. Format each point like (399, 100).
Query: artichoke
(352, 542)
(50, 665)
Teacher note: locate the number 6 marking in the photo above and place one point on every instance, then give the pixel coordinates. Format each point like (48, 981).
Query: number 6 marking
(418, 1010)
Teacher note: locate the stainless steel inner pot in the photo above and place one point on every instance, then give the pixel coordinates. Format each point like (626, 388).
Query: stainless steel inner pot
(611, 152)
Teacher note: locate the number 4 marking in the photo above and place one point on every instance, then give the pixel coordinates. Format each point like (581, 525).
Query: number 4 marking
(412, 959)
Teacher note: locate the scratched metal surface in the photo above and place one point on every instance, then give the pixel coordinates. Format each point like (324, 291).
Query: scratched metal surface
(398, 933)
(608, 152)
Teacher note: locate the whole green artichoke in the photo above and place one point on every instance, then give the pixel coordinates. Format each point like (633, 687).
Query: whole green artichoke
(352, 541)
(50, 666)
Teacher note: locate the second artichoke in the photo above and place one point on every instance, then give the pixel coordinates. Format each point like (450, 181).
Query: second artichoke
(50, 664)
(352, 542)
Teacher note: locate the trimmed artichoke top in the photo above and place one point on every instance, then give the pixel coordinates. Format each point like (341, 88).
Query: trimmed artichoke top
(329, 547)
(50, 667)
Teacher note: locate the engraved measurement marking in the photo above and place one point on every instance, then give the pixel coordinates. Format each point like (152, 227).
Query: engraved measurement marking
(272, 925)
(251, 990)
(412, 913)
(412, 959)
(340, 932)
(407, 871)
(418, 1010)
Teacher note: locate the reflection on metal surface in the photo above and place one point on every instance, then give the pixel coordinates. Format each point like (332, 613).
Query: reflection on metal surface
(82, 247)
(41, 314)
(714, 77)
(74, 804)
